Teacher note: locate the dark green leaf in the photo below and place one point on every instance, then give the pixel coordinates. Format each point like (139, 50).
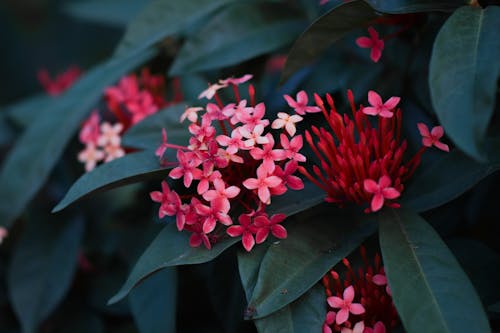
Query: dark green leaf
(153, 302)
(42, 268)
(317, 240)
(129, 169)
(495, 307)
(464, 70)
(112, 12)
(412, 6)
(24, 112)
(448, 178)
(230, 37)
(162, 18)
(171, 247)
(430, 290)
(306, 314)
(40, 147)
(147, 133)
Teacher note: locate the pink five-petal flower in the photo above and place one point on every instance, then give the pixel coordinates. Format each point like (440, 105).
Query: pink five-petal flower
(292, 147)
(262, 184)
(113, 152)
(211, 90)
(268, 155)
(110, 134)
(300, 105)
(253, 137)
(198, 236)
(380, 191)
(216, 113)
(264, 225)
(431, 138)
(213, 213)
(142, 107)
(188, 161)
(378, 107)
(255, 118)
(345, 305)
(191, 114)
(246, 229)
(359, 327)
(90, 156)
(233, 143)
(373, 42)
(287, 177)
(286, 121)
(221, 193)
(207, 177)
(236, 81)
(241, 112)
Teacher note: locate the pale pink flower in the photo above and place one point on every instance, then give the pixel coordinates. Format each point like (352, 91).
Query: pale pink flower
(221, 193)
(300, 105)
(110, 134)
(286, 121)
(253, 137)
(378, 107)
(240, 112)
(210, 92)
(262, 184)
(373, 42)
(236, 81)
(191, 114)
(431, 138)
(380, 191)
(233, 143)
(358, 328)
(90, 156)
(268, 155)
(216, 113)
(345, 305)
(113, 152)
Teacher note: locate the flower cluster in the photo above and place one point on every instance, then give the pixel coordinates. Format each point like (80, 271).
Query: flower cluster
(360, 161)
(235, 165)
(359, 302)
(133, 99)
(61, 82)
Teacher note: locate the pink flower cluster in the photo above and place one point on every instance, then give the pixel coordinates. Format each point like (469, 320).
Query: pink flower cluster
(359, 302)
(61, 82)
(362, 162)
(235, 166)
(131, 100)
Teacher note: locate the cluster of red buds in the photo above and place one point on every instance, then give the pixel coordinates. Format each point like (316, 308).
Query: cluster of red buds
(236, 166)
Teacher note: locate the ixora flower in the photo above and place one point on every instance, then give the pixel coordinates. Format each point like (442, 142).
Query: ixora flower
(131, 100)
(360, 162)
(359, 300)
(61, 82)
(374, 43)
(231, 166)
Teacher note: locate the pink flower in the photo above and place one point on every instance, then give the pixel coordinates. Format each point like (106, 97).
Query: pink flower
(233, 143)
(292, 147)
(431, 138)
(210, 92)
(142, 107)
(381, 280)
(262, 184)
(268, 155)
(379, 327)
(329, 320)
(216, 212)
(265, 225)
(241, 112)
(236, 81)
(110, 134)
(286, 121)
(253, 137)
(113, 152)
(221, 193)
(198, 237)
(208, 177)
(345, 305)
(378, 107)
(255, 118)
(188, 162)
(61, 82)
(90, 129)
(191, 114)
(373, 42)
(288, 178)
(381, 191)
(246, 229)
(90, 156)
(300, 106)
(358, 328)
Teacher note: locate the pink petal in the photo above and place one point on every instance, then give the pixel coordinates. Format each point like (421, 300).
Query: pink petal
(373, 33)
(312, 109)
(302, 97)
(209, 225)
(377, 202)
(232, 191)
(384, 182)
(386, 114)
(290, 128)
(342, 316)
(235, 230)
(442, 146)
(375, 54)
(379, 279)
(326, 328)
(348, 294)
(437, 132)
(371, 111)
(195, 240)
(156, 196)
(273, 181)
(261, 235)
(279, 231)
(264, 194)
(330, 317)
(423, 129)
(374, 99)
(390, 193)
(248, 241)
(379, 327)
(392, 102)
(364, 42)
(427, 141)
(251, 183)
(335, 302)
(370, 186)
(356, 308)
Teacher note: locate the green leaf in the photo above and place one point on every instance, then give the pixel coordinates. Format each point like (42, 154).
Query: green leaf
(147, 133)
(317, 240)
(110, 12)
(42, 268)
(129, 169)
(162, 18)
(307, 314)
(153, 302)
(171, 247)
(430, 290)
(230, 38)
(40, 147)
(23, 113)
(412, 6)
(464, 70)
(448, 178)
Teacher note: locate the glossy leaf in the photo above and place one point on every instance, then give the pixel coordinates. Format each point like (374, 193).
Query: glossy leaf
(306, 314)
(163, 18)
(147, 133)
(430, 290)
(42, 268)
(230, 38)
(448, 178)
(171, 247)
(153, 302)
(411, 6)
(111, 12)
(317, 240)
(464, 71)
(129, 169)
(43, 142)
(23, 113)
